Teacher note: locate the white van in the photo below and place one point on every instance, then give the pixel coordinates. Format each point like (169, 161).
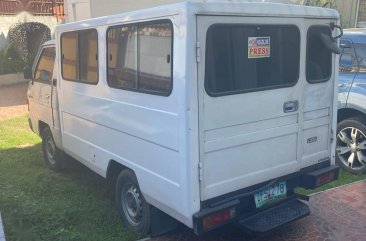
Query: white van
(206, 113)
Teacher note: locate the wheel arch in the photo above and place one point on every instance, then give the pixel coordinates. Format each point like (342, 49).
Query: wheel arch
(114, 169)
(346, 113)
(41, 126)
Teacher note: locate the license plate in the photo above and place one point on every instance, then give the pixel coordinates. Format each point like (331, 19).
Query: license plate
(270, 194)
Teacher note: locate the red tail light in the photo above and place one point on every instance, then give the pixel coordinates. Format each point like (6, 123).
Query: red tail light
(217, 219)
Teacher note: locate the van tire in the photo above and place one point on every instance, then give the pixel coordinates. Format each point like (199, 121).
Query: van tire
(131, 204)
(347, 126)
(53, 157)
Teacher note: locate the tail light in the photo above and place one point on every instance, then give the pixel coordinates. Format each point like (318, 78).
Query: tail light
(218, 219)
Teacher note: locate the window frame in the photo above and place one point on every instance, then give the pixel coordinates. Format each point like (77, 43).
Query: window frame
(38, 62)
(229, 93)
(138, 25)
(78, 55)
(307, 55)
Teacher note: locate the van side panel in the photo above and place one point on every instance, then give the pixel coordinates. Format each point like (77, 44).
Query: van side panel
(144, 132)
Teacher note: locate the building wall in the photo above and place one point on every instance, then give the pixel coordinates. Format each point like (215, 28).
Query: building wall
(108, 7)
(348, 10)
(77, 10)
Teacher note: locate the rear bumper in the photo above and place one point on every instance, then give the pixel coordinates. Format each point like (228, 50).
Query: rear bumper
(244, 205)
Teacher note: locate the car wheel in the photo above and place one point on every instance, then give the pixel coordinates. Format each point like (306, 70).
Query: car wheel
(135, 211)
(351, 145)
(53, 156)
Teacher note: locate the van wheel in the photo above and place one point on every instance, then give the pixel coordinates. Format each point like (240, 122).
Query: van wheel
(135, 211)
(351, 145)
(53, 157)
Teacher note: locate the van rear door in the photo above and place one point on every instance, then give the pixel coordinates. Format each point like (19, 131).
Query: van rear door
(250, 95)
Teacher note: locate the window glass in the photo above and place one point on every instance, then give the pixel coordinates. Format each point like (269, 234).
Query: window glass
(348, 60)
(319, 58)
(361, 56)
(69, 56)
(79, 51)
(122, 55)
(44, 70)
(243, 58)
(155, 48)
(140, 57)
(88, 56)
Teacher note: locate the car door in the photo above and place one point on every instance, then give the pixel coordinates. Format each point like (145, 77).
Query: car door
(348, 69)
(40, 100)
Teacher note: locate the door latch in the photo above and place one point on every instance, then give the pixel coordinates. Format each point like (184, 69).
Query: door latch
(291, 106)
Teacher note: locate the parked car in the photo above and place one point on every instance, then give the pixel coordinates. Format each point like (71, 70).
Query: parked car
(206, 113)
(351, 130)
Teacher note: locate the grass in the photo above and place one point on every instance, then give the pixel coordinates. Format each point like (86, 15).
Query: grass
(37, 204)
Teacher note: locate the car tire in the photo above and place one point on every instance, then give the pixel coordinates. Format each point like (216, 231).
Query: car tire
(131, 204)
(351, 145)
(53, 156)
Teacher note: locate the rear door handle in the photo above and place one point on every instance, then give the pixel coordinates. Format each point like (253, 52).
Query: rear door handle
(291, 106)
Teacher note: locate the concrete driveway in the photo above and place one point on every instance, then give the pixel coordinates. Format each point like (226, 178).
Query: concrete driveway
(13, 101)
(336, 215)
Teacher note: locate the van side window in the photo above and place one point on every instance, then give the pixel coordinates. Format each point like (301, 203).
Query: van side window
(44, 70)
(318, 59)
(140, 57)
(79, 51)
(245, 58)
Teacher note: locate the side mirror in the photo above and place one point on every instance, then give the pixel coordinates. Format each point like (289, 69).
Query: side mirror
(28, 73)
(329, 43)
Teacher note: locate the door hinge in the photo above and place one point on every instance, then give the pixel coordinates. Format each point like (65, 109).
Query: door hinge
(200, 171)
(198, 52)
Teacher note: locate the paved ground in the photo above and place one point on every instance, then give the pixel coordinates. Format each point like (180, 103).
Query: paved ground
(13, 101)
(336, 215)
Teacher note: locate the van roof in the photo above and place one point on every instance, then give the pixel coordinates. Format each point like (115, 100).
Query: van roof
(204, 7)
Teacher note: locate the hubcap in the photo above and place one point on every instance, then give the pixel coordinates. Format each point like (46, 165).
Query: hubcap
(351, 147)
(51, 150)
(132, 205)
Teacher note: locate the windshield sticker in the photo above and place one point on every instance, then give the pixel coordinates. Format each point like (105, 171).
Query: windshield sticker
(259, 47)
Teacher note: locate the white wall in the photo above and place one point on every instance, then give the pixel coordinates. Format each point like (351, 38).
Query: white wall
(77, 10)
(83, 9)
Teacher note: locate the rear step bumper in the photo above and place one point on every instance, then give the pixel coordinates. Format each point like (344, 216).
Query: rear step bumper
(275, 217)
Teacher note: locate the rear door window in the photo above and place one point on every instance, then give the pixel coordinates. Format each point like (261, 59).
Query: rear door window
(318, 59)
(245, 58)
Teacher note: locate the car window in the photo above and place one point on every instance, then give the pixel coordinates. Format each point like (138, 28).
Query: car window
(140, 57)
(319, 59)
(361, 56)
(44, 70)
(244, 58)
(348, 59)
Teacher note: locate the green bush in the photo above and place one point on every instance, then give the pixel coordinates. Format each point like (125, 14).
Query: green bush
(10, 61)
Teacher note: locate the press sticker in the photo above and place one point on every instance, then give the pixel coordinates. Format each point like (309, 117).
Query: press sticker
(259, 47)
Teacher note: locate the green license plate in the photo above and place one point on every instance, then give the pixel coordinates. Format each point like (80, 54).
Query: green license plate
(270, 194)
